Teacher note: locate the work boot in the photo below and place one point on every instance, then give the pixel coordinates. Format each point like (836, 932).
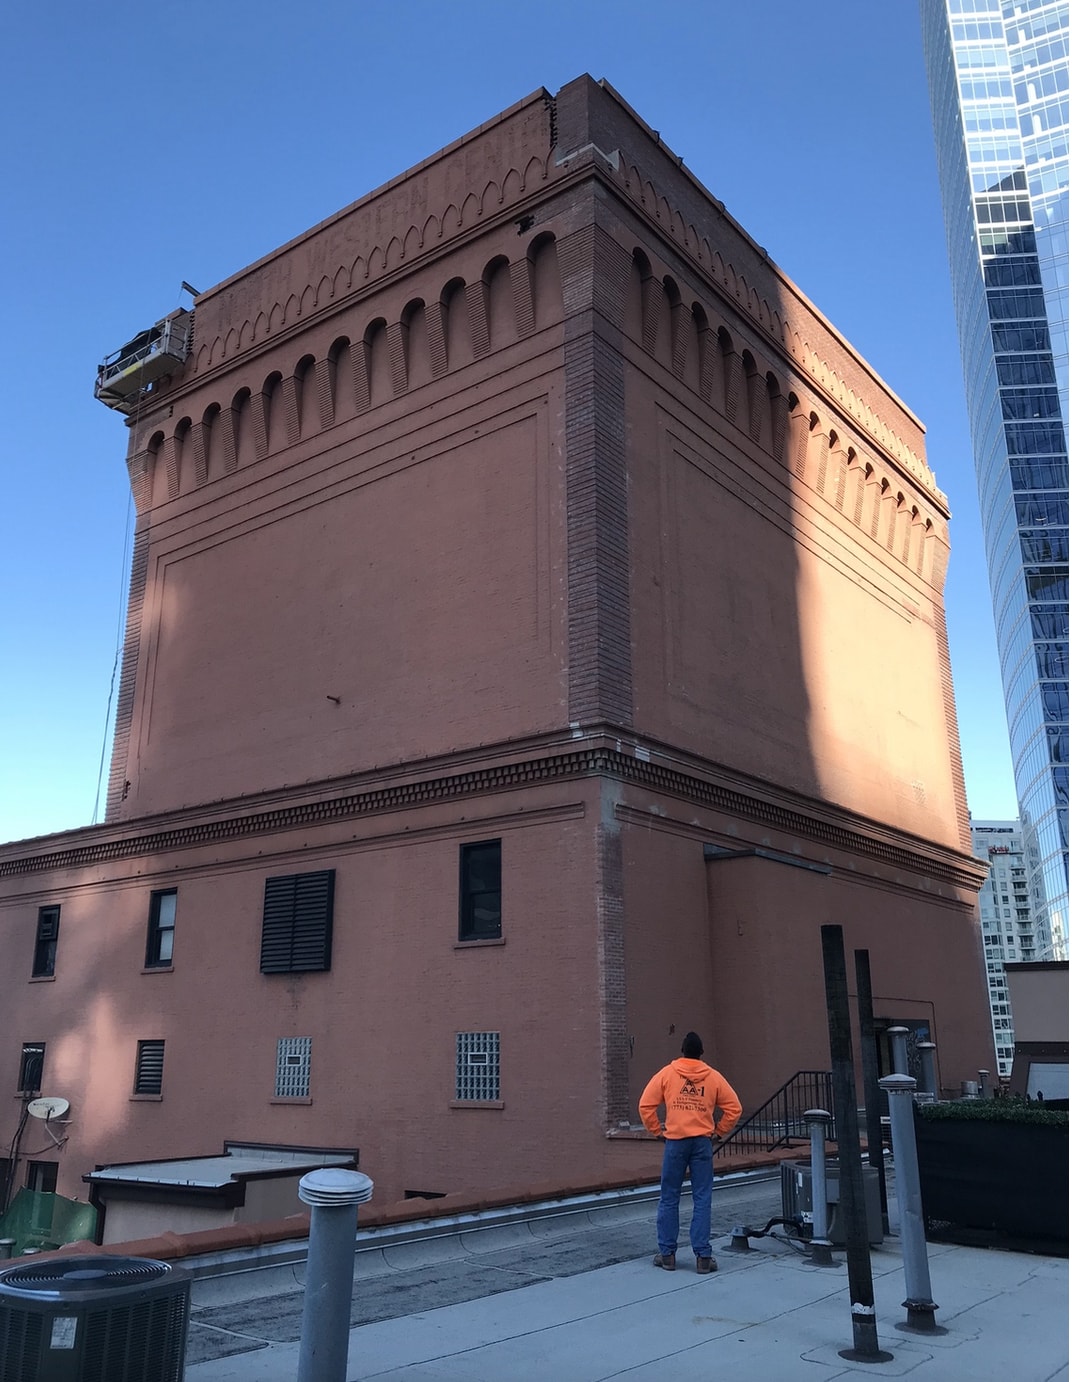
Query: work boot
(705, 1265)
(666, 1260)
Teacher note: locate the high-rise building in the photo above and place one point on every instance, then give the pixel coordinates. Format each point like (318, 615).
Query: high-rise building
(998, 75)
(1008, 925)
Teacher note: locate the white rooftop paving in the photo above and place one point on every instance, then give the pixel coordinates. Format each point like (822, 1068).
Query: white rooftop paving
(766, 1315)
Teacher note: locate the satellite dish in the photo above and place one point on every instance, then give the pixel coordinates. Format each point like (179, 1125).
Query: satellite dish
(52, 1106)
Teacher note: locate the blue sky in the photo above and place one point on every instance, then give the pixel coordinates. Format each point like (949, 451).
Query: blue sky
(154, 144)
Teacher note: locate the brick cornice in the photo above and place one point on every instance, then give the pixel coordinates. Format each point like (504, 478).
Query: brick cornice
(832, 829)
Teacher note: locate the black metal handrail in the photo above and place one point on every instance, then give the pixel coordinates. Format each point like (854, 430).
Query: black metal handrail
(780, 1121)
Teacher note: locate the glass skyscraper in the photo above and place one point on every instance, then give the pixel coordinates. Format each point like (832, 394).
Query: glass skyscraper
(998, 76)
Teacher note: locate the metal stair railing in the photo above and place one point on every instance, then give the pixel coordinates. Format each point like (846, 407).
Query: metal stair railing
(780, 1121)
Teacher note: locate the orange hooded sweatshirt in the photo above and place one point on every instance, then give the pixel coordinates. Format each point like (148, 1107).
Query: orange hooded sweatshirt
(690, 1091)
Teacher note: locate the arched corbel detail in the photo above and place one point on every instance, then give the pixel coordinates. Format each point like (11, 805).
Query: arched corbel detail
(882, 490)
(200, 436)
(826, 450)
(260, 409)
(227, 424)
(778, 408)
(476, 304)
(396, 353)
(841, 460)
(435, 317)
(523, 292)
(680, 327)
(707, 350)
(650, 301)
(340, 380)
(926, 551)
(755, 396)
(361, 380)
(732, 374)
(140, 466)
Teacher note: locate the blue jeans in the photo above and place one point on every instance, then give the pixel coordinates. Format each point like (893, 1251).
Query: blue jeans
(694, 1155)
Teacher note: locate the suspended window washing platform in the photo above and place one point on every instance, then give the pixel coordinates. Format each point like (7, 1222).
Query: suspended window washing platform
(129, 372)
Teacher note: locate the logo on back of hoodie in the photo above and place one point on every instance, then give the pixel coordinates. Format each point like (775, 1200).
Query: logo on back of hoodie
(690, 1095)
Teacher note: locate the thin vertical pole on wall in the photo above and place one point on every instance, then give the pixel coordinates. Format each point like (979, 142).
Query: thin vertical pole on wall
(850, 1169)
(869, 1069)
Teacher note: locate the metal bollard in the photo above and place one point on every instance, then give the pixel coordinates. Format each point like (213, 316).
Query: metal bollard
(900, 1090)
(333, 1196)
(983, 1076)
(898, 1049)
(818, 1121)
(929, 1082)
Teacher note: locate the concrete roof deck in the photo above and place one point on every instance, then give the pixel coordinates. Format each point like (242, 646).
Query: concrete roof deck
(570, 1294)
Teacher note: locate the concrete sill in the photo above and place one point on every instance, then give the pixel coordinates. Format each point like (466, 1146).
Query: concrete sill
(159, 969)
(476, 1103)
(479, 944)
(291, 1099)
(42, 978)
(146, 1098)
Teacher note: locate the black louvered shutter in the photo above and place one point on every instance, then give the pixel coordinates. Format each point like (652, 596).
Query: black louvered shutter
(296, 935)
(149, 1075)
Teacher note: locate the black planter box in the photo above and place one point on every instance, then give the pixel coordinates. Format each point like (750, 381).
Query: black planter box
(994, 1183)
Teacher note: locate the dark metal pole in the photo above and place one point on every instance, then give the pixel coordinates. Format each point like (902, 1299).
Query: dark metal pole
(869, 1067)
(850, 1171)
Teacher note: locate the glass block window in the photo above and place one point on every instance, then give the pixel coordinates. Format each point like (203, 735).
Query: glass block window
(293, 1062)
(149, 1070)
(477, 1066)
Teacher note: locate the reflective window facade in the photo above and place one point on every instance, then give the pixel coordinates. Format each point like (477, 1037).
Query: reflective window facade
(998, 76)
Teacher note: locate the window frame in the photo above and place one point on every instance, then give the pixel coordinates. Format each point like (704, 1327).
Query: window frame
(42, 1177)
(156, 932)
(148, 1070)
(32, 1051)
(468, 896)
(46, 945)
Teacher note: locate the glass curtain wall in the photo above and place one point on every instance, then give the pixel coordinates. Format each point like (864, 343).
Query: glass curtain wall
(998, 77)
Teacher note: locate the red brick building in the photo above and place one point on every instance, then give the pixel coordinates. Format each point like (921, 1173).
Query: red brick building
(526, 577)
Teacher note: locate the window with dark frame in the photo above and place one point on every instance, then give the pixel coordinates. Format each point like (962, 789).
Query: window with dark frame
(42, 1176)
(31, 1067)
(480, 893)
(149, 1068)
(48, 930)
(296, 930)
(160, 944)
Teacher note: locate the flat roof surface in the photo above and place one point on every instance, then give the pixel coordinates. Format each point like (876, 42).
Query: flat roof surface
(211, 1172)
(573, 1297)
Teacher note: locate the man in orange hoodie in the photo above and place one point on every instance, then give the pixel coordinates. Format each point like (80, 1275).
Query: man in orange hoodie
(689, 1091)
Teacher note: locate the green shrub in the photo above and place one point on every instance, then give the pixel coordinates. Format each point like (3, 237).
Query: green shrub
(994, 1111)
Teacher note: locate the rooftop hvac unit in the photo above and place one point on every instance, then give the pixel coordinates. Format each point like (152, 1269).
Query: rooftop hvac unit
(93, 1319)
(796, 1200)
